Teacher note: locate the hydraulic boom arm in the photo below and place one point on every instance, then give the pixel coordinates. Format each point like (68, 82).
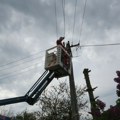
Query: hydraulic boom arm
(35, 91)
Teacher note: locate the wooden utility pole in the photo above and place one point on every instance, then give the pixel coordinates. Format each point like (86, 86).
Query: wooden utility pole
(74, 105)
(90, 92)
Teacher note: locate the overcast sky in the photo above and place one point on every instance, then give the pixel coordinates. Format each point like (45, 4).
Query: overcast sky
(28, 27)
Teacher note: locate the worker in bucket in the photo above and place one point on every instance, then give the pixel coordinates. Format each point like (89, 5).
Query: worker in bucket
(59, 41)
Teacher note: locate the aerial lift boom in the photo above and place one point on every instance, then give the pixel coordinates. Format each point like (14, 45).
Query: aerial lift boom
(33, 94)
(57, 64)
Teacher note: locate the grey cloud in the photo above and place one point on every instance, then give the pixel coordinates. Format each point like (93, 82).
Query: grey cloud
(103, 14)
(4, 16)
(28, 26)
(41, 11)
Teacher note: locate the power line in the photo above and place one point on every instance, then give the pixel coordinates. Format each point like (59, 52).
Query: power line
(81, 28)
(21, 59)
(56, 20)
(74, 19)
(14, 75)
(63, 7)
(17, 73)
(15, 61)
(16, 65)
(99, 45)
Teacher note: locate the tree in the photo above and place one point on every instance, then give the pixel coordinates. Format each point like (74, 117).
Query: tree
(26, 116)
(55, 103)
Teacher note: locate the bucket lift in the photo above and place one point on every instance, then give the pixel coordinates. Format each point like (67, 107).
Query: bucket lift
(58, 60)
(57, 64)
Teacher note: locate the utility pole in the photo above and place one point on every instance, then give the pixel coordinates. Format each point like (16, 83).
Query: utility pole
(74, 105)
(90, 92)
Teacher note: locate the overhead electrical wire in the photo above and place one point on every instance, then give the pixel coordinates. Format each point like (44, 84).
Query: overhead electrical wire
(99, 45)
(17, 64)
(24, 58)
(56, 19)
(23, 70)
(89, 45)
(63, 7)
(17, 72)
(21, 59)
(74, 20)
(81, 26)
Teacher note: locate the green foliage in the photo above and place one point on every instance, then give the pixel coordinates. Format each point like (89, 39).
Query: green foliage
(55, 104)
(26, 116)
